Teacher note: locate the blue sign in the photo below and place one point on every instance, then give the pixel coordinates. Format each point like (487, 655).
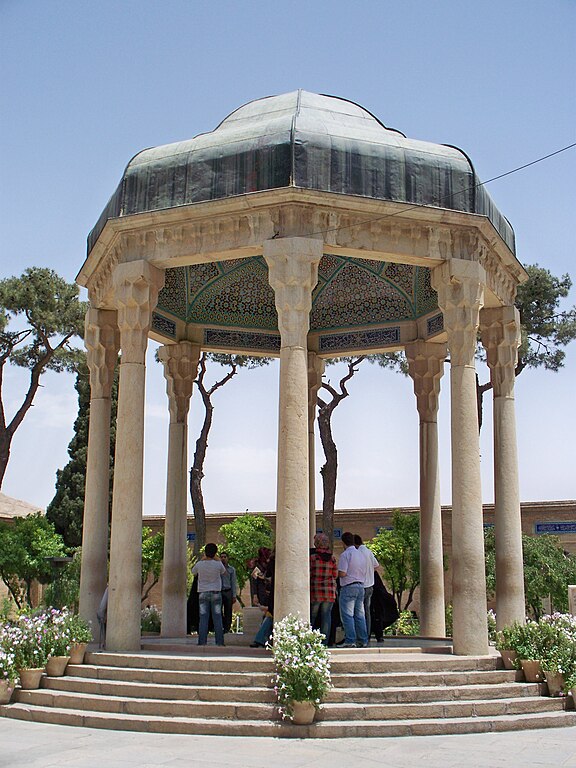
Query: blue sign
(191, 536)
(337, 532)
(488, 525)
(384, 528)
(555, 528)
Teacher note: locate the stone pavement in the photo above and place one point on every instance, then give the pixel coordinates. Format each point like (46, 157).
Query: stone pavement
(34, 745)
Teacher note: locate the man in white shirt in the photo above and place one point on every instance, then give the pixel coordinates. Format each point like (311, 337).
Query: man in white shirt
(210, 571)
(352, 569)
(371, 565)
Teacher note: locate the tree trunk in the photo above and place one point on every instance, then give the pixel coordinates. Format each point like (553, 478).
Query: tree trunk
(5, 442)
(196, 475)
(329, 471)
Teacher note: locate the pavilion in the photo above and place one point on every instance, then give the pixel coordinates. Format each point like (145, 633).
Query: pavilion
(301, 228)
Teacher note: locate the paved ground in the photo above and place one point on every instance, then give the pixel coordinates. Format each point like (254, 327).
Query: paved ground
(33, 745)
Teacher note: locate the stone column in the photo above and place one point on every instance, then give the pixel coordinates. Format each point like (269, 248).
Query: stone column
(460, 287)
(136, 287)
(315, 372)
(426, 366)
(500, 328)
(102, 342)
(293, 273)
(180, 366)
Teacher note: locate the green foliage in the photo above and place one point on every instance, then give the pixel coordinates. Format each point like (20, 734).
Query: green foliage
(151, 619)
(244, 537)
(152, 557)
(398, 552)
(40, 315)
(67, 507)
(545, 328)
(64, 589)
(24, 547)
(548, 570)
(406, 624)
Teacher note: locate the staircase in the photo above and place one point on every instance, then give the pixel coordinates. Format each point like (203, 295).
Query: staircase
(377, 692)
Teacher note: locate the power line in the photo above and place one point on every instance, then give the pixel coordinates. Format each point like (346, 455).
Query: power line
(447, 198)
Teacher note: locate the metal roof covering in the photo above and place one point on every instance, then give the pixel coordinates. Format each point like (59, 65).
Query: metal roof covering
(305, 140)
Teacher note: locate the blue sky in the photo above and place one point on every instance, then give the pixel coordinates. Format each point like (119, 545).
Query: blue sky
(87, 85)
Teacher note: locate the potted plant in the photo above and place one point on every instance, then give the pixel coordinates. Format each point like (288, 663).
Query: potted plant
(507, 640)
(529, 650)
(559, 654)
(80, 635)
(302, 665)
(8, 673)
(27, 640)
(57, 641)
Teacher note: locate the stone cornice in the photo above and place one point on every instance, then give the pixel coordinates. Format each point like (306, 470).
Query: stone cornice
(350, 226)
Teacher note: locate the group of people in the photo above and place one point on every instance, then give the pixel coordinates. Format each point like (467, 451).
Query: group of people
(349, 592)
(215, 589)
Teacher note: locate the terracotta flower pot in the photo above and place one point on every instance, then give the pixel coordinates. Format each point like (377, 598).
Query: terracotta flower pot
(555, 681)
(6, 688)
(77, 653)
(532, 671)
(303, 712)
(508, 659)
(30, 678)
(56, 665)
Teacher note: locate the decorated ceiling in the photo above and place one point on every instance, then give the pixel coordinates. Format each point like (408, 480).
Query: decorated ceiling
(350, 294)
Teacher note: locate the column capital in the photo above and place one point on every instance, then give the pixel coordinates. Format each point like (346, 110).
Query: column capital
(460, 287)
(500, 329)
(293, 273)
(180, 362)
(426, 367)
(102, 342)
(136, 288)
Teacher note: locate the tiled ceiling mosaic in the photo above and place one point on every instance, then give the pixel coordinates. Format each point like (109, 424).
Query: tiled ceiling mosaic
(350, 293)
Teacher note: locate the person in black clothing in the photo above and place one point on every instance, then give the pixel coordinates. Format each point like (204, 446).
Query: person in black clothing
(383, 608)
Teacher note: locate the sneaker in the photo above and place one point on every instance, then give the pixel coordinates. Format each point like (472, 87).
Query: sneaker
(349, 645)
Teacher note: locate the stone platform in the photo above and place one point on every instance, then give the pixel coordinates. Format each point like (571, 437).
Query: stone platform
(228, 691)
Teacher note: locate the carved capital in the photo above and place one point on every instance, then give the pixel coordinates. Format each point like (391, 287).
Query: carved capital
(102, 341)
(180, 363)
(293, 273)
(316, 367)
(500, 328)
(136, 288)
(460, 287)
(426, 367)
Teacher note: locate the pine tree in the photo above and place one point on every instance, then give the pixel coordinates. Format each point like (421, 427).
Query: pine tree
(67, 507)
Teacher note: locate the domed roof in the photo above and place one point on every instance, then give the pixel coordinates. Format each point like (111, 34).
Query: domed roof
(302, 140)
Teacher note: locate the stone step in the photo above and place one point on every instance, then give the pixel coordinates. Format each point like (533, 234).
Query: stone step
(380, 680)
(404, 694)
(151, 690)
(440, 709)
(224, 692)
(124, 705)
(322, 729)
(358, 664)
(205, 663)
(242, 710)
(171, 677)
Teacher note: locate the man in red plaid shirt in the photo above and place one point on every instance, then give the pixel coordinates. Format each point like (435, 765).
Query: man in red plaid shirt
(323, 573)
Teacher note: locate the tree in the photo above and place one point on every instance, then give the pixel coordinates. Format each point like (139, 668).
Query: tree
(66, 509)
(548, 570)
(233, 362)
(398, 552)
(45, 315)
(25, 546)
(244, 536)
(152, 558)
(545, 328)
(329, 470)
